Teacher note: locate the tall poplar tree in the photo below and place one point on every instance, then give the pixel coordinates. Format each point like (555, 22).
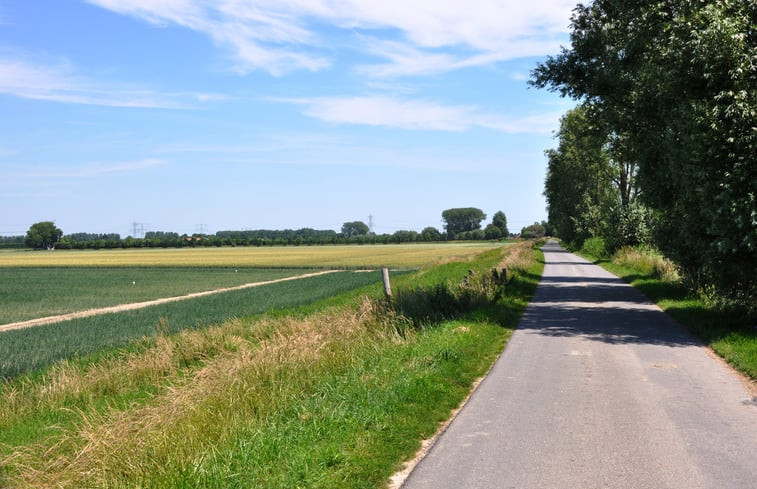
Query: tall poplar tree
(677, 82)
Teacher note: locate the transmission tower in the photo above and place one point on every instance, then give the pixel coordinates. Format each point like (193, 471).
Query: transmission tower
(138, 229)
(370, 223)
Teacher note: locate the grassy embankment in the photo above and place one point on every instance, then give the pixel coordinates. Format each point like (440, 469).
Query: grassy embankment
(729, 334)
(331, 396)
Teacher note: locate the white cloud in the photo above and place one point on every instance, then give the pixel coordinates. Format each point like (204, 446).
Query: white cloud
(387, 111)
(59, 83)
(261, 34)
(426, 36)
(418, 115)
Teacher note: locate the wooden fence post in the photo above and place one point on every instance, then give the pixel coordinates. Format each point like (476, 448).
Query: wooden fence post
(387, 285)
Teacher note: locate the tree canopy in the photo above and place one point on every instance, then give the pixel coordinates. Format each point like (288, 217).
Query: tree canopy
(535, 230)
(462, 219)
(591, 190)
(355, 228)
(43, 235)
(500, 221)
(675, 83)
(430, 233)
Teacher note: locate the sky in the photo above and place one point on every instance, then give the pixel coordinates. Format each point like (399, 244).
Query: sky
(208, 115)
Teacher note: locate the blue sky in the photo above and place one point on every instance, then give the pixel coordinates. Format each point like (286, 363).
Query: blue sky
(200, 115)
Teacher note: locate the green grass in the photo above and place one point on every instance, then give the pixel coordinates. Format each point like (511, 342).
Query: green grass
(347, 427)
(729, 334)
(34, 292)
(29, 349)
(332, 398)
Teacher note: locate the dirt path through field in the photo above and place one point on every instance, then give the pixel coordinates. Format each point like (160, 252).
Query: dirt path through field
(139, 305)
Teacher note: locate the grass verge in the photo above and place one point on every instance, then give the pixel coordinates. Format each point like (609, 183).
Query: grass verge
(729, 334)
(331, 398)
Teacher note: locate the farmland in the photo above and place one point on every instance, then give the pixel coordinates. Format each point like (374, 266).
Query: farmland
(33, 292)
(339, 256)
(32, 348)
(333, 394)
(40, 284)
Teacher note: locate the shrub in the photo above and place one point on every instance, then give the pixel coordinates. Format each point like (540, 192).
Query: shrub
(629, 225)
(595, 247)
(422, 306)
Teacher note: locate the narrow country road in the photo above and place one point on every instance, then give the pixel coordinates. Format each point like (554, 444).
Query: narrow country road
(598, 388)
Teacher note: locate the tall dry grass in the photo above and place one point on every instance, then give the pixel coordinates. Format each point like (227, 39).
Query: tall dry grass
(243, 378)
(69, 384)
(647, 261)
(518, 259)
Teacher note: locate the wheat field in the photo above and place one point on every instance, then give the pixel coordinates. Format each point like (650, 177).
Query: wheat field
(338, 256)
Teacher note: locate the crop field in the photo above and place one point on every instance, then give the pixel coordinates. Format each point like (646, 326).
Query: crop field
(339, 256)
(34, 292)
(41, 284)
(28, 349)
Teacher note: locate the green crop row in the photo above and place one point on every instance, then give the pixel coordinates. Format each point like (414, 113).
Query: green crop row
(34, 292)
(29, 349)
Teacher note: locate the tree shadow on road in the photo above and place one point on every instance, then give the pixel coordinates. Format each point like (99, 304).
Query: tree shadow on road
(600, 309)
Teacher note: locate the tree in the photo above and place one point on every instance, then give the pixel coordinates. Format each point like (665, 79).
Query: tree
(578, 185)
(535, 230)
(492, 232)
(43, 235)
(355, 228)
(500, 220)
(430, 233)
(462, 219)
(675, 81)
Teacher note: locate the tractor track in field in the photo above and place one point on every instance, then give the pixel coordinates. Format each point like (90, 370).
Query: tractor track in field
(140, 305)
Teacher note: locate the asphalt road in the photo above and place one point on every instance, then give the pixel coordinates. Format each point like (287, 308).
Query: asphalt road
(598, 388)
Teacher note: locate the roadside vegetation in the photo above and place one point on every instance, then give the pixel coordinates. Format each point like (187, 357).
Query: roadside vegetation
(725, 326)
(335, 394)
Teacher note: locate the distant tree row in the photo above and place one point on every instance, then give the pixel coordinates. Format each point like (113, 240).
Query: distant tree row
(11, 242)
(460, 224)
(85, 237)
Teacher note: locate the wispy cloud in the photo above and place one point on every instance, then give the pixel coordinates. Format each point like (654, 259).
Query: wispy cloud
(424, 36)
(386, 111)
(92, 169)
(260, 34)
(61, 83)
(419, 115)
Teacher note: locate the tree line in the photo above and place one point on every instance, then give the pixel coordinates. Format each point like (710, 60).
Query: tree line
(661, 148)
(460, 224)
